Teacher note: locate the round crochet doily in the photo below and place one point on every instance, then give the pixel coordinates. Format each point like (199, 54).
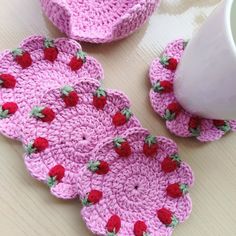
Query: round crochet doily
(37, 65)
(65, 127)
(135, 184)
(98, 21)
(163, 100)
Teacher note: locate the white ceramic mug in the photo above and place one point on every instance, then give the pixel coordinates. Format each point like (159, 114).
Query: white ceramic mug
(206, 76)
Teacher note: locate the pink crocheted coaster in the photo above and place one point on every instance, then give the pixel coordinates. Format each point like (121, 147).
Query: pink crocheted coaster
(37, 65)
(65, 127)
(98, 21)
(135, 184)
(179, 121)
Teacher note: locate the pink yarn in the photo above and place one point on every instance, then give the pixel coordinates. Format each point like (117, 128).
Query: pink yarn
(34, 81)
(98, 21)
(160, 101)
(73, 134)
(135, 187)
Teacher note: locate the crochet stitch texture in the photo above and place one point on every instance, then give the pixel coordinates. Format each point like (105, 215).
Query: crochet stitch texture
(73, 133)
(134, 188)
(83, 141)
(36, 66)
(179, 121)
(98, 21)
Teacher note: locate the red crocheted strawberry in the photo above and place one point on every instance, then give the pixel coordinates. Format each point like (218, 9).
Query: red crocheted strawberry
(7, 109)
(121, 117)
(50, 51)
(172, 111)
(93, 197)
(122, 147)
(140, 229)
(55, 175)
(169, 63)
(222, 125)
(218, 123)
(45, 114)
(177, 190)
(113, 225)
(150, 146)
(69, 96)
(171, 163)
(99, 167)
(100, 98)
(22, 57)
(38, 145)
(7, 81)
(78, 60)
(164, 86)
(167, 217)
(194, 126)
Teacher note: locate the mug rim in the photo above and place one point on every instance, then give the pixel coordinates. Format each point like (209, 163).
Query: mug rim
(228, 9)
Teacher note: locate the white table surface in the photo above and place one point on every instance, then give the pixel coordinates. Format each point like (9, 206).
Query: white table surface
(27, 208)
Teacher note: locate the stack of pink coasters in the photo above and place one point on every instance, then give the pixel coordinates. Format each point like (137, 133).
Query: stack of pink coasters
(98, 21)
(179, 121)
(84, 141)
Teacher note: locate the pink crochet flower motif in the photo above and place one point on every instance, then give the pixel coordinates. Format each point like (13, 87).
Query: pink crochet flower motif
(29, 71)
(98, 21)
(135, 184)
(179, 121)
(65, 127)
